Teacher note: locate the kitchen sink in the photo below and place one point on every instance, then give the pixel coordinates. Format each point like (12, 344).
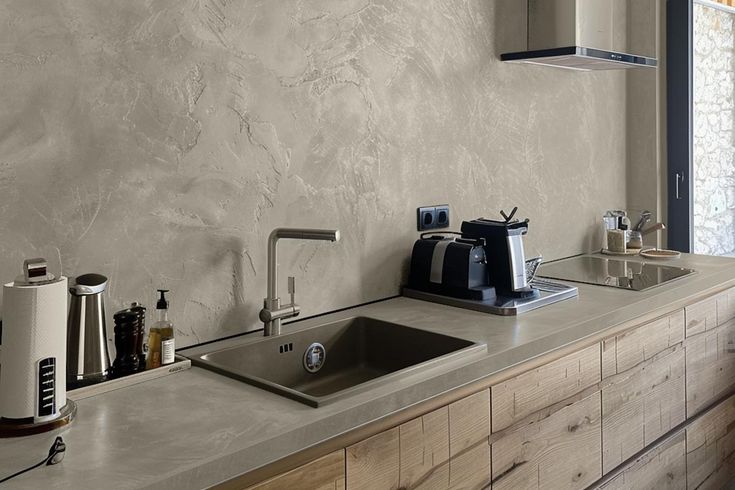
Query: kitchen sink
(320, 364)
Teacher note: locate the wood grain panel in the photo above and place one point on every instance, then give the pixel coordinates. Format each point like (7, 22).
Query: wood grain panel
(711, 447)
(424, 451)
(326, 473)
(661, 467)
(710, 366)
(375, 462)
(642, 404)
(532, 391)
(630, 348)
(446, 448)
(701, 316)
(561, 451)
(469, 450)
(470, 470)
(726, 306)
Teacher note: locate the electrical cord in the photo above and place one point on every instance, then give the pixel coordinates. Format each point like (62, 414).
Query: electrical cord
(55, 455)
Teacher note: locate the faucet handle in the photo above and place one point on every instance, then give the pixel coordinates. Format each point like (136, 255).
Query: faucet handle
(292, 289)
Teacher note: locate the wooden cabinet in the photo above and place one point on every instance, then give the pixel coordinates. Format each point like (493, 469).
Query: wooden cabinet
(643, 392)
(617, 408)
(710, 366)
(469, 448)
(326, 473)
(701, 316)
(546, 425)
(540, 388)
(424, 451)
(628, 349)
(444, 449)
(710, 443)
(661, 467)
(558, 451)
(726, 306)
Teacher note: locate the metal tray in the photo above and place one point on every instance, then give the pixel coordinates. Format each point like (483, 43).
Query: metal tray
(551, 292)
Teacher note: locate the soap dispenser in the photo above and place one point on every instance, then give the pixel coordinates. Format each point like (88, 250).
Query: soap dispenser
(165, 329)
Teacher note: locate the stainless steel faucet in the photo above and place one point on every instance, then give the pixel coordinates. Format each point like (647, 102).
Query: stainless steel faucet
(272, 312)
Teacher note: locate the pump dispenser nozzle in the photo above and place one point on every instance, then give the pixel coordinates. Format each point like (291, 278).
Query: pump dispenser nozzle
(162, 303)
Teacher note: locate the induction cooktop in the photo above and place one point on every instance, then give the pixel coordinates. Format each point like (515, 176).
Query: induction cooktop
(619, 273)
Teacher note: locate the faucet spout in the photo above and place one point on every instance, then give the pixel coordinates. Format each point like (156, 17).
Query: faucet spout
(272, 311)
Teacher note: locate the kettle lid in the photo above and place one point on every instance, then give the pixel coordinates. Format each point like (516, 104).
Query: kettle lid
(89, 284)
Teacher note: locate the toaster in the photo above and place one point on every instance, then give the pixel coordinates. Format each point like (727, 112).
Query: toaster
(451, 266)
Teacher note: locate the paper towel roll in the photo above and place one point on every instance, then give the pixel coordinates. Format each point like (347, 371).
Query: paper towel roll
(34, 328)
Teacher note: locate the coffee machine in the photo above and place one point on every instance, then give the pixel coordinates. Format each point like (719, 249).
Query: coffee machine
(483, 268)
(504, 250)
(484, 261)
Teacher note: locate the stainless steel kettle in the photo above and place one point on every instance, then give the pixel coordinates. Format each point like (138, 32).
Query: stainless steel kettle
(88, 359)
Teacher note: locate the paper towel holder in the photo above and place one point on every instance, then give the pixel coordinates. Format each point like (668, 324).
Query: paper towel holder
(32, 377)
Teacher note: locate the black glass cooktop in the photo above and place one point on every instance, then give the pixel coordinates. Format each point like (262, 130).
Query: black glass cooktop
(618, 273)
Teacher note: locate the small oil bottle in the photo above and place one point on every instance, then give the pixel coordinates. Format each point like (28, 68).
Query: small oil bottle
(165, 330)
(153, 356)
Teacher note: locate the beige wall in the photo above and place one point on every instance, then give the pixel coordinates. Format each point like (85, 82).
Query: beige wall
(646, 184)
(160, 142)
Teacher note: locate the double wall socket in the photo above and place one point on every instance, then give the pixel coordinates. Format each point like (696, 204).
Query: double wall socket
(432, 217)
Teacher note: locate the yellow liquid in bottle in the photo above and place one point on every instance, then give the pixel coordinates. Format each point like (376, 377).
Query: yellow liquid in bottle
(154, 349)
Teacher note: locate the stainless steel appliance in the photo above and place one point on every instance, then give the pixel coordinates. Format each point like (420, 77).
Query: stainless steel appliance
(484, 270)
(634, 275)
(88, 359)
(580, 35)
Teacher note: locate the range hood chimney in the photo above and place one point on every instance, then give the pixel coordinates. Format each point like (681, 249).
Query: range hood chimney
(579, 35)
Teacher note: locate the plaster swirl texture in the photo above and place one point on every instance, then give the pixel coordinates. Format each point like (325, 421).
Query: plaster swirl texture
(159, 143)
(714, 134)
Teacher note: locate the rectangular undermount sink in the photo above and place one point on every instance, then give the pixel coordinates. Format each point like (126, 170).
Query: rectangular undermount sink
(320, 364)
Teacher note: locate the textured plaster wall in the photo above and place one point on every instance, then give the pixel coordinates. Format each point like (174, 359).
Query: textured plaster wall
(714, 135)
(644, 88)
(160, 142)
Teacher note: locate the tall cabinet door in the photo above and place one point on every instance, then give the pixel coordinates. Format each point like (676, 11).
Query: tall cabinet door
(643, 387)
(547, 425)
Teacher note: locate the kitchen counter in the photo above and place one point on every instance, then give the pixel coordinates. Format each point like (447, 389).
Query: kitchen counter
(196, 428)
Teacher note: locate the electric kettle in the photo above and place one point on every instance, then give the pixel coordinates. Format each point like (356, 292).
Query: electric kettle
(88, 359)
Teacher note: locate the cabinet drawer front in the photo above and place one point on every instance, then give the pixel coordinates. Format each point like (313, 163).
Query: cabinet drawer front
(701, 316)
(469, 449)
(532, 391)
(446, 448)
(726, 306)
(710, 366)
(560, 451)
(711, 447)
(630, 348)
(641, 405)
(424, 450)
(661, 467)
(375, 462)
(326, 473)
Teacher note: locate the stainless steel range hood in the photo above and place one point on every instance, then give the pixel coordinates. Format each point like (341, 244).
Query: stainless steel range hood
(579, 35)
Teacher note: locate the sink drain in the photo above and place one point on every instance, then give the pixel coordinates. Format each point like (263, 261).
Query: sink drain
(314, 357)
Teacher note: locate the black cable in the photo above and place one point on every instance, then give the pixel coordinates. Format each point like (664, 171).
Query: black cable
(55, 455)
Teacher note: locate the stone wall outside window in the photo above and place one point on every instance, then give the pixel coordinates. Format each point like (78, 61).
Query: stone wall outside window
(714, 136)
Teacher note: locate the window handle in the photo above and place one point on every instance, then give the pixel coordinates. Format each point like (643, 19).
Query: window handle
(679, 180)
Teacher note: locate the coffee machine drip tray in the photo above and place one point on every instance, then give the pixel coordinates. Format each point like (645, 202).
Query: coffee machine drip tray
(551, 292)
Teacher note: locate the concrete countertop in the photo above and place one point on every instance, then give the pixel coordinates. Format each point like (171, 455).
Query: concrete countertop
(196, 428)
